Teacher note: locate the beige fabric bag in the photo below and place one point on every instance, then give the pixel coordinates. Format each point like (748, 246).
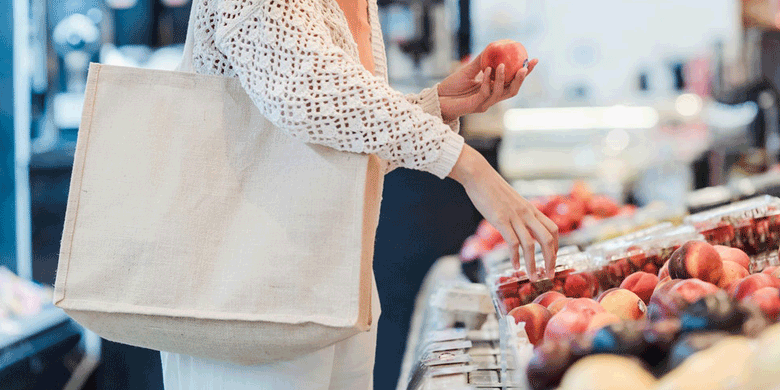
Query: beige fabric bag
(196, 226)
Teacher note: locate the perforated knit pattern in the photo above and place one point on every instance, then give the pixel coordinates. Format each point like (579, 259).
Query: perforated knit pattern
(299, 63)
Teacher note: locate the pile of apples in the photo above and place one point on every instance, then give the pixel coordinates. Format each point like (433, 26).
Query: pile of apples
(701, 295)
(484, 240)
(581, 207)
(517, 290)
(569, 212)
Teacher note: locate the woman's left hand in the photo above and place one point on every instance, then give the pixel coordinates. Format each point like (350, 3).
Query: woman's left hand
(470, 89)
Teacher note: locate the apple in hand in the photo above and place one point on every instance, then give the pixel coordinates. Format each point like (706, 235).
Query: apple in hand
(508, 52)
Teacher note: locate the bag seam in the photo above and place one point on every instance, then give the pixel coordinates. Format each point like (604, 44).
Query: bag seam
(77, 201)
(156, 311)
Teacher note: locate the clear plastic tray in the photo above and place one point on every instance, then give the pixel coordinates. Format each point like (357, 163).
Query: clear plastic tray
(760, 262)
(498, 261)
(516, 352)
(752, 225)
(574, 277)
(609, 228)
(634, 236)
(622, 258)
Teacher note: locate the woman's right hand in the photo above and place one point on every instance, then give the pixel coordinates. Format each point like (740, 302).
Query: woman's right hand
(518, 221)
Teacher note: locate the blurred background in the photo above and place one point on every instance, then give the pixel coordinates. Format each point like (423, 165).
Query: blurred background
(664, 106)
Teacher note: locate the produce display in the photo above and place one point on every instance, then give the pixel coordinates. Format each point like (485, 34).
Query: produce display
(455, 358)
(653, 304)
(659, 324)
(751, 225)
(573, 278)
(581, 207)
(463, 303)
(640, 298)
(617, 259)
(484, 240)
(582, 218)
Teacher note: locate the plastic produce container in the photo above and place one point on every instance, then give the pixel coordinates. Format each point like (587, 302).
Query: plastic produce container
(607, 229)
(498, 261)
(614, 262)
(574, 277)
(752, 225)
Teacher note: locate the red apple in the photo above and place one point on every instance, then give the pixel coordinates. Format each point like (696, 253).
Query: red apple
(691, 290)
(732, 272)
(567, 213)
(549, 297)
(768, 299)
(489, 235)
(664, 271)
(558, 305)
(752, 283)
(473, 248)
(508, 52)
(511, 303)
(651, 268)
(696, 259)
(584, 306)
(661, 304)
(600, 320)
(566, 325)
(605, 292)
(642, 284)
(535, 317)
(581, 191)
(579, 286)
(733, 254)
(624, 304)
(770, 270)
(603, 206)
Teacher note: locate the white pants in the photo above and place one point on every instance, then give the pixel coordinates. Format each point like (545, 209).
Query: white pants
(347, 365)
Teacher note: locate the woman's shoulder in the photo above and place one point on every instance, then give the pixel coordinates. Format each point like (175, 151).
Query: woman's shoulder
(213, 15)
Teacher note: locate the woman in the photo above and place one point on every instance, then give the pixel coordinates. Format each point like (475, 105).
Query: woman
(316, 68)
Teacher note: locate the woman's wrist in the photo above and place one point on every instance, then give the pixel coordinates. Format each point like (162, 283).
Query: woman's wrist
(445, 107)
(468, 165)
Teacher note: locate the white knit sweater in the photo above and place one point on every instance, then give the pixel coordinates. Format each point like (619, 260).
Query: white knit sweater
(298, 62)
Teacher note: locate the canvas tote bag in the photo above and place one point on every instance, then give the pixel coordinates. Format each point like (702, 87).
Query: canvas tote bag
(196, 226)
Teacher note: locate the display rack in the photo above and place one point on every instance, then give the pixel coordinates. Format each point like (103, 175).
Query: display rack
(39, 333)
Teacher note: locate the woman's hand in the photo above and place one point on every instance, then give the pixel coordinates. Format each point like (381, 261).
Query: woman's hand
(471, 90)
(519, 222)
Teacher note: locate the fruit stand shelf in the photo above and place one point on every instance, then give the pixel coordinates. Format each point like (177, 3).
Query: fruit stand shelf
(39, 333)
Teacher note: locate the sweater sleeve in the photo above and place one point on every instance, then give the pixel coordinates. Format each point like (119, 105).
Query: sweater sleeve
(428, 100)
(284, 55)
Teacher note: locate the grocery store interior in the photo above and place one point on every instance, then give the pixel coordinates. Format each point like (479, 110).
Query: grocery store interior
(649, 133)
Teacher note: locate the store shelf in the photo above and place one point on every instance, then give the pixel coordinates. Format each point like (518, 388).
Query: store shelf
(38, 333)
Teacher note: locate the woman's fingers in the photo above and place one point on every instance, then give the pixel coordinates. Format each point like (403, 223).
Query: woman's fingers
(485, 89)
(546, 241)
(532, 64)
(517, 82)
(527, 243)
(473, 68)
(510, 237)
(498, 86)
(548, 224)
(520, 76)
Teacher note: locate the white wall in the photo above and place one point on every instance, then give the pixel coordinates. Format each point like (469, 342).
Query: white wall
(603, 44)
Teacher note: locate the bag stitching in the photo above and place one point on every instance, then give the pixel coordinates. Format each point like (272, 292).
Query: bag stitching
(72, 226)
